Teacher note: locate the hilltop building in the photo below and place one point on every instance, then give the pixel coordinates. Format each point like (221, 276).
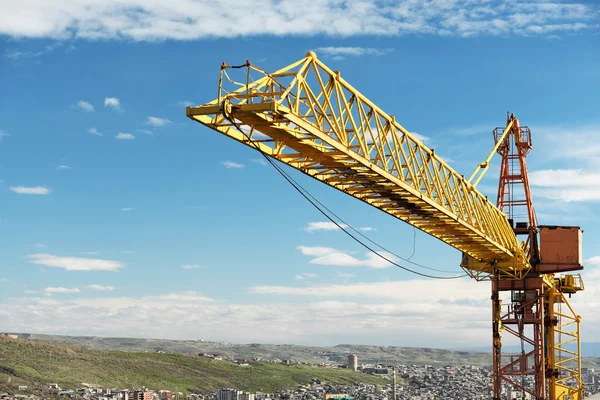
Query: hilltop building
(353, 362)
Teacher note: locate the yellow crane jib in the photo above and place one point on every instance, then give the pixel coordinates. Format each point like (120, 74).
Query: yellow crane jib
(308, 117)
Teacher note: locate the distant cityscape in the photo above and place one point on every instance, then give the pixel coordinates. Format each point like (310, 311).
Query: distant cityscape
(415, 382)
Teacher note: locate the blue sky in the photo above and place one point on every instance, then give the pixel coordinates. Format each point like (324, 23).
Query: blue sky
(116, 209)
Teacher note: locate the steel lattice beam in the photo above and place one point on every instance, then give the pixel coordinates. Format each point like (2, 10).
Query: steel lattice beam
(305, 115)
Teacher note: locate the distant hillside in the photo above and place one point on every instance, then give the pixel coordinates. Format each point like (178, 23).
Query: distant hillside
(588, 349)
(315, 355)
(35, 364)
(311, 354)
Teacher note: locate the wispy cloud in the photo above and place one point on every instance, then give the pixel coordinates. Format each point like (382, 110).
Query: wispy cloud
(30, 189)
(345, 275)
(63, 167)
(323, 226)
(306, 275)
(191, 266)
(185, 103)
(333, 257)
(231, 164)
(124, 136)
(90, 253)
(3, 134)
(330, 226)
(566, 184)
(3, 280)
(113, 103)
(84, 105)
(101, 288)
(421, 138)
(41, 245)
(342, 52)
(75, 263)
(18, 54)
(127, 209)
(94, 131)
(578, 147)
(53, 290)
(145, 131)
(156, 121)
(147, 21)
(260, 161)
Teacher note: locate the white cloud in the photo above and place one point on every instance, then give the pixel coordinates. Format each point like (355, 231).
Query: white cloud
(75, 263)
(190, 266)
(3, 134)
(421, 138)
(394, 313)
(260, 161)
(330, 226)
(564, 177)
(186, 103)
(3, 279)
(306, 275)
(94, 131)
(145, 131)
(41, 246)
(231, 164)
(63, 167)
(409, 290)
(127, 209)
(330, 256)
(127, 251)
(30, 190)
(315, 250)
(156, 121)
(593, 260)
(341, 52)
(311, 322)
(101, 288)
(345, 275)
(113, 103)
(90, 253)
(51, 290)
(17, 54)
(124, 136)
(85, 106)
(575, 143)
(323, 226)
(140, 20)
(567, 184)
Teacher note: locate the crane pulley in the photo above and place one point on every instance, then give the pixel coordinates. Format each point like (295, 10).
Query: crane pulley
(307, 116)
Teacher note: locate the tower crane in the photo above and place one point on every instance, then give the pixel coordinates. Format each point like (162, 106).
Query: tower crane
(307, 116)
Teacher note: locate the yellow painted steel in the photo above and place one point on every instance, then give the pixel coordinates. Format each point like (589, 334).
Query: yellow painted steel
(563, 340)
(307, 116)
(484, 166)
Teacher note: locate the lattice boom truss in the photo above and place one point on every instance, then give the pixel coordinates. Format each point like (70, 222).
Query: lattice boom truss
(308, 117)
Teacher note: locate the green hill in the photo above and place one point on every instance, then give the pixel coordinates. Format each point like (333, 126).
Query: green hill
(36, 364)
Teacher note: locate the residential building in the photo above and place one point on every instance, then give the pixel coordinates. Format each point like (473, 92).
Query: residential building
(245, 396)
(140, 395)
(227, 394)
